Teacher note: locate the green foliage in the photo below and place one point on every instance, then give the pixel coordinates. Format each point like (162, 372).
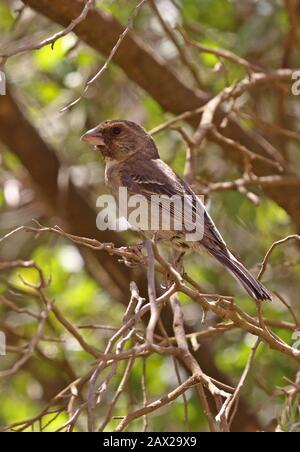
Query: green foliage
(6, 17)
(45, 81)
(218, 14)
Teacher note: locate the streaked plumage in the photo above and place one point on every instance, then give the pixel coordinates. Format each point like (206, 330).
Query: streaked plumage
(132, 161)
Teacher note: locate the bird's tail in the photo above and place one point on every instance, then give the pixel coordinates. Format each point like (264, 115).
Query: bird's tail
(254, 288)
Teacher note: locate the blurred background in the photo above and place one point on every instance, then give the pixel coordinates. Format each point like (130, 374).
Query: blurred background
(46, 173)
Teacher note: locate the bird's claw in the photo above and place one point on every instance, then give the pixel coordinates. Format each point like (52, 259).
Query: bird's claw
(137, 258)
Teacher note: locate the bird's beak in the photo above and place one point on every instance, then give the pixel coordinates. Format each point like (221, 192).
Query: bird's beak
(94, 137)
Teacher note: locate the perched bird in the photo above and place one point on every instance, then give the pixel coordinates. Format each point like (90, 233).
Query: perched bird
(132, 161)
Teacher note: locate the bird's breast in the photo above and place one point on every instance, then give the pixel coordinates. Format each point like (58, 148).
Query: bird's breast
(112, 176)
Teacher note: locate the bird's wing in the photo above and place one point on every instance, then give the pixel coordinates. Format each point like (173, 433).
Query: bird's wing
(154, 177)
(150, 177)
(212, 237)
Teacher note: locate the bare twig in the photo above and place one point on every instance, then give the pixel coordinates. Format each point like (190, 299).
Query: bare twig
(109, 59)
(272, 248)
(142, 345)
(152, 294)
(89, 5)
(183, 54)
(231, 401)
(220, 53)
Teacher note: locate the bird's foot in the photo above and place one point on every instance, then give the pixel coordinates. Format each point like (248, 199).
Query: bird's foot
(133, 256)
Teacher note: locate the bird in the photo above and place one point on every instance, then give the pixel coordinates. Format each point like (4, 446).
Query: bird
(133, 162)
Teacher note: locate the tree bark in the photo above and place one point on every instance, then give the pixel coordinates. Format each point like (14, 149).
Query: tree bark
(79, 218)
(146, 68)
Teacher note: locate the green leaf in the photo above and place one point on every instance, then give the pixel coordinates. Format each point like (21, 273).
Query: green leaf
(47, 58)
(6, 18)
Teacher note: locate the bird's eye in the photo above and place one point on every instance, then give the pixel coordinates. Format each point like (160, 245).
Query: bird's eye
(116, 130)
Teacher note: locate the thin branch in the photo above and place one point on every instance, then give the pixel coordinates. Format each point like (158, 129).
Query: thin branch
(164, 400)
(233, 400)
(110, 57)
(272, 248)
(220, 53)
(89, 5)
(183, 54)
(152, 293)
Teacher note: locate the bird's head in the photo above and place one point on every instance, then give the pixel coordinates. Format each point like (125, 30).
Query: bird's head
(119, 140)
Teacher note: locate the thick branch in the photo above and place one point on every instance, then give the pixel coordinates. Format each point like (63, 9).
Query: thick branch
(101, 31)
